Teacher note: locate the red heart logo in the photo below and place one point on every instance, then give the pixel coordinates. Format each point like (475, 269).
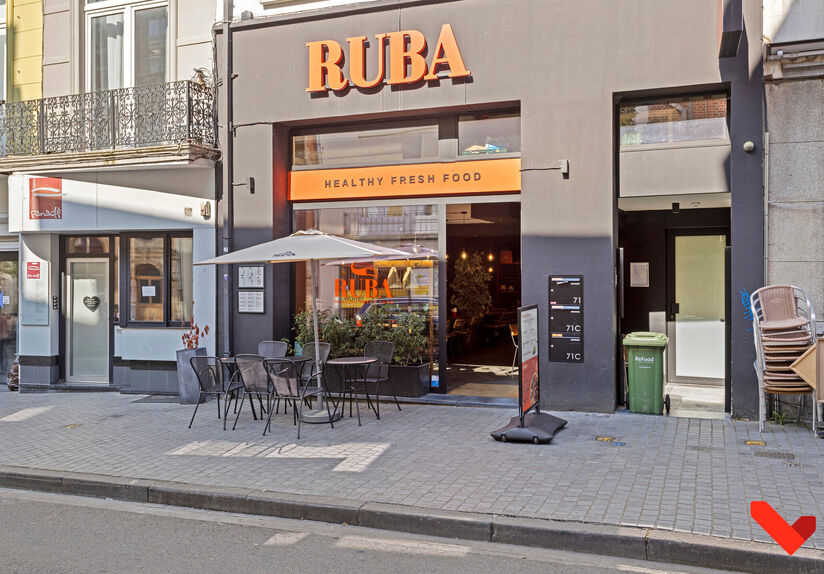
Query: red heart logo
(790, 538)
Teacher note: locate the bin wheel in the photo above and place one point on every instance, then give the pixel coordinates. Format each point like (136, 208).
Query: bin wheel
(667, 403)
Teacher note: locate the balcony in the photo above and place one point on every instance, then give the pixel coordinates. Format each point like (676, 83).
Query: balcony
(155, 124)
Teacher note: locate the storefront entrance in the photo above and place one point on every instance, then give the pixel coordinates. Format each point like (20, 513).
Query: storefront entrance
(483, 245)
(87, 320)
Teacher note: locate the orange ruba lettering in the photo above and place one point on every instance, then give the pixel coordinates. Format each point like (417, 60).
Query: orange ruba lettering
(407, 63)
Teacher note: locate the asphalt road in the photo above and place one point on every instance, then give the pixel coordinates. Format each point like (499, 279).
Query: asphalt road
(60, 534)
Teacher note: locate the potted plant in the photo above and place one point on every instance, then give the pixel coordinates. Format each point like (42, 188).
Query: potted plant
(470, 286)
(188, 385)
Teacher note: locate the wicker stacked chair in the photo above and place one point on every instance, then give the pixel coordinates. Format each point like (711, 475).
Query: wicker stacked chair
(784, 328)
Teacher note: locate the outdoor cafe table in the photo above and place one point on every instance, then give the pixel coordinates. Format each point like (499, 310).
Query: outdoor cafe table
(346, 366)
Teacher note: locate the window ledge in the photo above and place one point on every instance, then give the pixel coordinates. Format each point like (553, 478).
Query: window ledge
(675, 145)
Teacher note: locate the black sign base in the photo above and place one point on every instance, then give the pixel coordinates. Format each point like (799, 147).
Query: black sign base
(537, 429)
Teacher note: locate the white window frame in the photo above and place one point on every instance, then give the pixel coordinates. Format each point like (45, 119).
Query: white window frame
(127, 8)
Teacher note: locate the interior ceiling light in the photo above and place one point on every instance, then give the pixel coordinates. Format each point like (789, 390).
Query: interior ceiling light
(463, 255)
(490, 256)
(490, 269)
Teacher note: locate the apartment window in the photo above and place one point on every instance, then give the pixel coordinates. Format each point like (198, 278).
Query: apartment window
(160, 279)
(126, 43)
(674, 120)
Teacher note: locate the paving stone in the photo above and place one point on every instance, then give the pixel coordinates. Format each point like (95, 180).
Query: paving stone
(441, 458)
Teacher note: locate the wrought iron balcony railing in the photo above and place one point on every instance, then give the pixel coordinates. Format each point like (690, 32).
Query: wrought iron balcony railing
(161, 114)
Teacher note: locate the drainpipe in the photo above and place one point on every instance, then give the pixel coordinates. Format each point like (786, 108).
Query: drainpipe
(228, 175)
(766, 207)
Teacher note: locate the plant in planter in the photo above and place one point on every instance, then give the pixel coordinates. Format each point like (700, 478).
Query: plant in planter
(470, 286)
(187, 383)
(410, 371)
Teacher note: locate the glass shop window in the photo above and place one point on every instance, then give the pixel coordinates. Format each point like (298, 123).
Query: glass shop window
(155, 262)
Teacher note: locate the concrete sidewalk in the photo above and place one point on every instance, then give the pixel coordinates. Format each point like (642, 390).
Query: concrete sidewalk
(658, 474)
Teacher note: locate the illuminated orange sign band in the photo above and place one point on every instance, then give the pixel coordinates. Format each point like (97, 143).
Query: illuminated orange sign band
(407, 63)
(423, 179)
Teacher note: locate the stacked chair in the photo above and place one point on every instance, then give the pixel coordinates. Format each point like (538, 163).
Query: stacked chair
(784, 328)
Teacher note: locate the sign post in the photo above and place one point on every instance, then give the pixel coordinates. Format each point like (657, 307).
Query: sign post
(531, 425)
(529, 381)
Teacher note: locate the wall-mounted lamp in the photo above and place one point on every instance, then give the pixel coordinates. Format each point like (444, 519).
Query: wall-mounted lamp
(249, 183)
(206, 210)
(748, 147)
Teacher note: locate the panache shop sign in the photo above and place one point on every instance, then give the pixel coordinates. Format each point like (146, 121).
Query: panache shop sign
(407, 63)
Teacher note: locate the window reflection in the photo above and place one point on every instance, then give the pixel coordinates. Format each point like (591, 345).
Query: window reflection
(489, 135)
(391, 145)
(678, 120)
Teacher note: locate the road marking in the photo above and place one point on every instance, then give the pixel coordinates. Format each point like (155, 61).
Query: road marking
(401, 546)
(25, 414)
(356, 455)
(286, 538)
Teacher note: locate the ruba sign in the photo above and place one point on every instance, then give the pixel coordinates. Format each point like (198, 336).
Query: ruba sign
(407, 60)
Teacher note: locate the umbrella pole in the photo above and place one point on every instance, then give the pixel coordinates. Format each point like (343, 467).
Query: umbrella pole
(315, 325)
(319, 415)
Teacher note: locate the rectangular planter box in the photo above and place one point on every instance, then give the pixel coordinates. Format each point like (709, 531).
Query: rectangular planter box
(407, 381)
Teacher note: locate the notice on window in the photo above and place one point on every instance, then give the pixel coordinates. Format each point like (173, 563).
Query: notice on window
(148, 291)
(34, 303)
(250, 302)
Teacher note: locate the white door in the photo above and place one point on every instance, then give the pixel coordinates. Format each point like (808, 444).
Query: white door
(696, 326)
(87, 320)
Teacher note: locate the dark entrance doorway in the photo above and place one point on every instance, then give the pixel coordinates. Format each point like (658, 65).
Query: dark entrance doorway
(675, 281)
(483, 292)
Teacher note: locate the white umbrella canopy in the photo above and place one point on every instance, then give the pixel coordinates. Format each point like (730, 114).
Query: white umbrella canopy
(311, 245)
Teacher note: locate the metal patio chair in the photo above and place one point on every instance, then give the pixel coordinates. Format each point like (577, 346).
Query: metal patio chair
(783, 329)
(311, 369)
(378, 373)
(210, 372)
(255, 379)
(288, 386)
(273, 349)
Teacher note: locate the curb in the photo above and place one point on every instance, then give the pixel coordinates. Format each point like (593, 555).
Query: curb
(620, 541)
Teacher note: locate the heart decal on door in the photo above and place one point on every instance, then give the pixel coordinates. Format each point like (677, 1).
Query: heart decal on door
(92, 303)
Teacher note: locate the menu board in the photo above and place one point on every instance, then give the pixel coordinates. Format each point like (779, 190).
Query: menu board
(250, 277)
(250, 302)
(529, 391)
(566, 319)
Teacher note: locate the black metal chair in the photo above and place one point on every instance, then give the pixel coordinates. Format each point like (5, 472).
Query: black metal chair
(273, 349)
(287, 384)
(378, 373)
(311, 368)
(255, 379)
(210, 373)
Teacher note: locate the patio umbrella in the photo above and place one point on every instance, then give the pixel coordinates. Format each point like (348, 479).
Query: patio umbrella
(311, 245)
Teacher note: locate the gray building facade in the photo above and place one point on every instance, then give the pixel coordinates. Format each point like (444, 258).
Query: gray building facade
(575, 74)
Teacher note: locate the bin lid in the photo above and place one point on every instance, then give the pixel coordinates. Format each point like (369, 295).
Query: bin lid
(646, 339)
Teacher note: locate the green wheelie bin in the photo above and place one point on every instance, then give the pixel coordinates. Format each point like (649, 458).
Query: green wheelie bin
(645, 372)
